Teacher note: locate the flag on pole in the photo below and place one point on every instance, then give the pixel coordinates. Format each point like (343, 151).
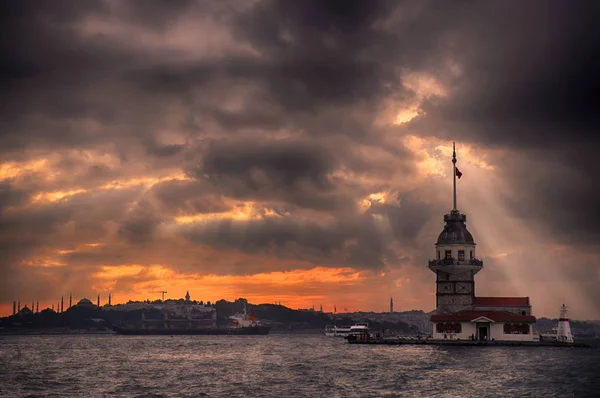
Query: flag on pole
(458, 173)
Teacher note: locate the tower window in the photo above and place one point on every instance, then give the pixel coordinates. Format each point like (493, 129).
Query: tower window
(448, 254)
(461, 255)
(471, 254)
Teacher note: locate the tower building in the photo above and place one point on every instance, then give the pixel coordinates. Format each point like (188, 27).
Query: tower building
(563, 332)
(459, 314)
(455, 264)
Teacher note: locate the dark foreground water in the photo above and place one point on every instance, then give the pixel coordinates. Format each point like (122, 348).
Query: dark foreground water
(285, 366)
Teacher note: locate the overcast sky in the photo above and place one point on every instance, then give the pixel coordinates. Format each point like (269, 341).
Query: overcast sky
(297, 151)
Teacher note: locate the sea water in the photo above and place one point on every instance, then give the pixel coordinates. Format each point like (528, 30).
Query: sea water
(285, 366)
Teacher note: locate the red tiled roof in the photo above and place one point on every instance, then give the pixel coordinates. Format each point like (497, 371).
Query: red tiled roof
(502, 301)
(496, 316)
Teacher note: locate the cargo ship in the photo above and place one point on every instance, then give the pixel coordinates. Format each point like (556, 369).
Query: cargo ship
(242, 330)
(242, 324)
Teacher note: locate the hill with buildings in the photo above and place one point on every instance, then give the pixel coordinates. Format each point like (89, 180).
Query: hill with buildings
(85, 317)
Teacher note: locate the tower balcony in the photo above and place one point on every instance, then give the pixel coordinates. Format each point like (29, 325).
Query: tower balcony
(453, 261)
(453, 265)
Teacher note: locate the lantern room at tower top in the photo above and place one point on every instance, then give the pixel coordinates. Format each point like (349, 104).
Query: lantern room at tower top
(459, 313)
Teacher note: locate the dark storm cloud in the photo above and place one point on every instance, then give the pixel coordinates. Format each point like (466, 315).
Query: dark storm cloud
(529, 82)
(406, 218)
(528, 73)
(121, 78)
(321, 53)
(188, 197)
(358, 240)
(140, 223)
(290, 171)
(9, 196)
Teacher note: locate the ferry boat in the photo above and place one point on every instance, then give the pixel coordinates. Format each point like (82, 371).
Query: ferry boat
(359, 328)
(335, 331)
(345, 331)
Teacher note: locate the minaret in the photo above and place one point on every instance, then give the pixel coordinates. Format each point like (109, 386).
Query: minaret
(62, 303)
(14, 307)
(70, 300)
(455, 263)
(19, 306)
(109, 304)
(563, 334)
(391, 304)
(37, 306)
(98, 302)
(187, 296)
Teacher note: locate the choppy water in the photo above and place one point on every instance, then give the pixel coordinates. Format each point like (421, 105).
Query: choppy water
(285, 366)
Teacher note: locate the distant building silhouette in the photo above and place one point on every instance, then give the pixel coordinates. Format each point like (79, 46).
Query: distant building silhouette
(84, 302)
(391, 304)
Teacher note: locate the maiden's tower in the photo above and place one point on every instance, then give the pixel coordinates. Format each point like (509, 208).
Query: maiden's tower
(459, 313)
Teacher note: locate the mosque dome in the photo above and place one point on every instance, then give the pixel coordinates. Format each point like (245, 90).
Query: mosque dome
(455, 230)
(84, 303)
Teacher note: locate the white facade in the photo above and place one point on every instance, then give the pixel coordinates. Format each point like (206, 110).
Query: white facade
(467, 330)
(483, 329)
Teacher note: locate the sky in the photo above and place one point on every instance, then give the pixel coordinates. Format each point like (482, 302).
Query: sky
(297, 152)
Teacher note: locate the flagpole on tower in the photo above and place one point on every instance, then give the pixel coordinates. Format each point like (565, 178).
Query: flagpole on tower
(454, 170)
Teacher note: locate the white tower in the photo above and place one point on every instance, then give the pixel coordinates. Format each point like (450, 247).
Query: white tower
(455, 263)
(563, 334)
